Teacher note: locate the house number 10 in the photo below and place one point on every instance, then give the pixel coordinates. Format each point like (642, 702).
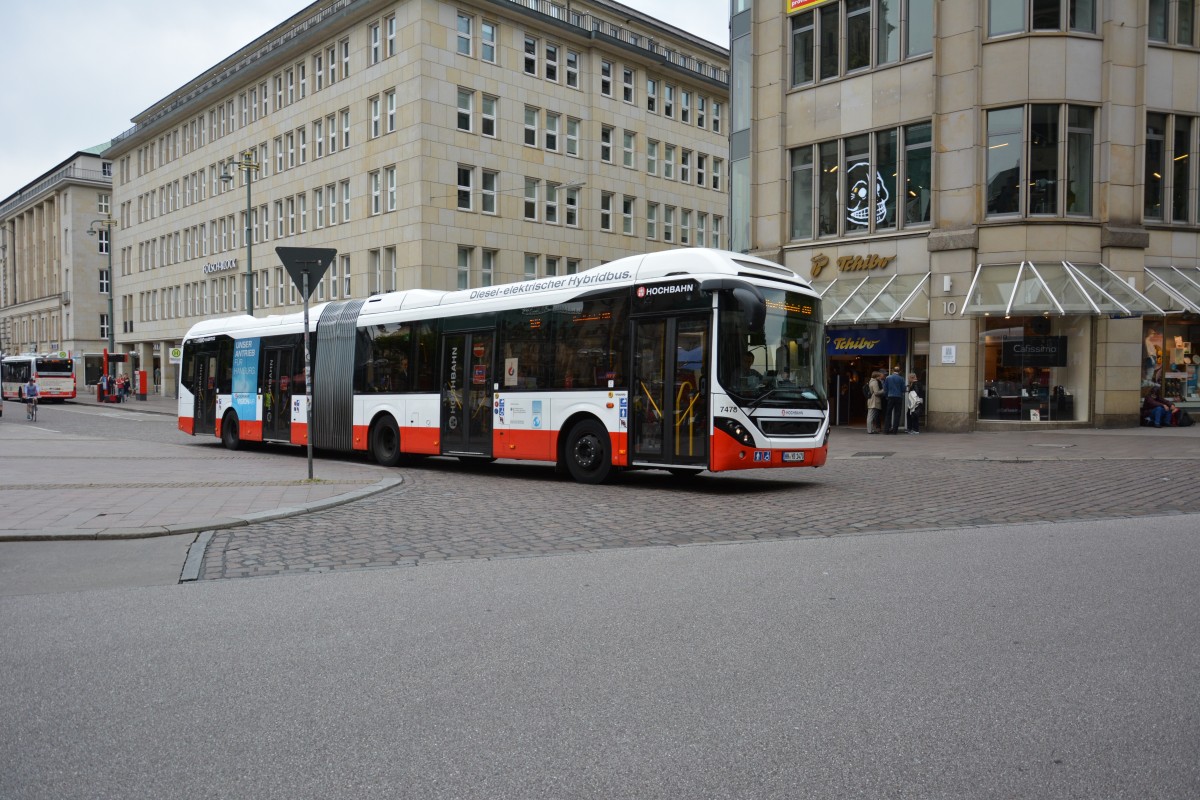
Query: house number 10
(948, 307)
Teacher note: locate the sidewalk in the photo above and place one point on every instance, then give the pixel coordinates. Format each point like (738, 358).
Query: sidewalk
(61, 486)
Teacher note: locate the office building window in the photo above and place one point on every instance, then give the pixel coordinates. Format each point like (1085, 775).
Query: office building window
(1021, 16)
(531, 126)
(530, 60)
(487, 267)
(463, 281)
(488, 191)
(466, 108)
(1171, 150)
(572, 69)
(868, 170)
(876, 33)
(1053, 174)
(465, 23)
(487, 35)
(466, 175)
(488, 114)
(572, 137)
(531, 199)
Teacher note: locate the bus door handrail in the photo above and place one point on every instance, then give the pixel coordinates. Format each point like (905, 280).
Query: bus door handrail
(686, 386)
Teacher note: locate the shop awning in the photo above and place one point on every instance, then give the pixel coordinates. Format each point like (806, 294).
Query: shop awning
(1063, 287)
(876, 298)
(1175, 289)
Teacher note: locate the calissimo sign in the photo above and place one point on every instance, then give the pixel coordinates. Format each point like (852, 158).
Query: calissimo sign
(1035, 351)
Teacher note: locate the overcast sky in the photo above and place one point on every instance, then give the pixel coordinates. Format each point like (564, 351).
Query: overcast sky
(75, 73)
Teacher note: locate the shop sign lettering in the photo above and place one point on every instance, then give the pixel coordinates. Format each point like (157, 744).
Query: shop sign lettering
(851, 263)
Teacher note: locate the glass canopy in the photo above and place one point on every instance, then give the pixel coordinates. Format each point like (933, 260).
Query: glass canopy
(1063, 287)
(1175, 289)
(876, 298)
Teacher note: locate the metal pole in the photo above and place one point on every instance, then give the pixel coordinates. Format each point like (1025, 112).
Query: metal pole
(307, 378)
(249, 253)
(112, 320)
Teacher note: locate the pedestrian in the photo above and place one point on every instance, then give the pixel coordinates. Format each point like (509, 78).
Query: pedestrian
(893, 387)
(103, 387)
(913, 401)
(875, 403)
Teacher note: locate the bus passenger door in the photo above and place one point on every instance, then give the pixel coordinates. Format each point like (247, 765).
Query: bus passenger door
(204, 412)
(467, 393)
(277, 395)
(669, 421)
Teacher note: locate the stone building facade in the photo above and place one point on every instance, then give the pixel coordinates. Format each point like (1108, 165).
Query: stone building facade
(53, 274)
(433, 144)
(999, 195)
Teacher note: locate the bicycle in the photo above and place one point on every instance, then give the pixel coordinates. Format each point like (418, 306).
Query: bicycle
(31, 410)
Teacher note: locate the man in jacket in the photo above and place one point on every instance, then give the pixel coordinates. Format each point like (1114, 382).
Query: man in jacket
(894, 388)
(875, 402)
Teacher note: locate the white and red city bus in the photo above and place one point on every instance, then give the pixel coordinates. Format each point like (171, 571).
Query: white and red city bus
(55, 376)
(685, 360)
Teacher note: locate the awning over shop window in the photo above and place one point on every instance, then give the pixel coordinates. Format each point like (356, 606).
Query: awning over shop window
(876, 298)
(1028, 289)
(1174, 289)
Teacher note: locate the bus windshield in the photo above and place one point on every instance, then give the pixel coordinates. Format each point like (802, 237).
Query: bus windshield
(781, 364)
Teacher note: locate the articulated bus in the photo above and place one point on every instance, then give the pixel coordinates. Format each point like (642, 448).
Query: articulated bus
(685, 360)
(55, 376)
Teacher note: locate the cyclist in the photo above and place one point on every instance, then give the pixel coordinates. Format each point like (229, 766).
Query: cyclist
(31, 398)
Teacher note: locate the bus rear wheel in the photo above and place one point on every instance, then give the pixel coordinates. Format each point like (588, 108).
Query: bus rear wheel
(385, 442)
(230, 437)
(589, 453)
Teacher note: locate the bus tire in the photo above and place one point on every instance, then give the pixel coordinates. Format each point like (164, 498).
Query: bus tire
(385, 442)
(230, 436)
(589, 453)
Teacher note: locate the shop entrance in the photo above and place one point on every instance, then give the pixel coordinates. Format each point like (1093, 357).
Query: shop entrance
(853, 355)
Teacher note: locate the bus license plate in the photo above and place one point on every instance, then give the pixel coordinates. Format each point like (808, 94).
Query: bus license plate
(793, 457)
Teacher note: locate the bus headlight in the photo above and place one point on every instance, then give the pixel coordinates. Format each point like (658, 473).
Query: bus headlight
(740, 432)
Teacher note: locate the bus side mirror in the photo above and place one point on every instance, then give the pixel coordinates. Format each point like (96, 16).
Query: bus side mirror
(748, 298)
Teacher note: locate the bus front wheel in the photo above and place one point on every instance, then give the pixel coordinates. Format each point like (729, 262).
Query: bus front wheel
(589, 453)
(229, 432)
(385, 442)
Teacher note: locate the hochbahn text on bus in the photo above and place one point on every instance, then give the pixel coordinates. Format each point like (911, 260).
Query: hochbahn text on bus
(685, 360)
(55, 376)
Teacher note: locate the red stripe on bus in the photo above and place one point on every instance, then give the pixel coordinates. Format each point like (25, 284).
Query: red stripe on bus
(536, 445)
(425, 441)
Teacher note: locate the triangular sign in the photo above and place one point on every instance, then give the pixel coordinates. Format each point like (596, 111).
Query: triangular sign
(313, 260)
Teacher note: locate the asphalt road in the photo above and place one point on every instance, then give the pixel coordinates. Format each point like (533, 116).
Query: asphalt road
(897, 628)
(1036, 661)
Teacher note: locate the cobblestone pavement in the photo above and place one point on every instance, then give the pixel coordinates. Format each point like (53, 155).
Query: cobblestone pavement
(447, 511)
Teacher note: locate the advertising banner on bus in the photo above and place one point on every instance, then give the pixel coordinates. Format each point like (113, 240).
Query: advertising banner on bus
(245, 378)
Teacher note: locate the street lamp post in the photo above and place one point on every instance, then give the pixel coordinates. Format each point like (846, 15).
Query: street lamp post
(249, 165)
(108, 223)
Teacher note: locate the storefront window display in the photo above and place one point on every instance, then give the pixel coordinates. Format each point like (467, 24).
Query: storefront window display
(1168, 362)
(1035, 368)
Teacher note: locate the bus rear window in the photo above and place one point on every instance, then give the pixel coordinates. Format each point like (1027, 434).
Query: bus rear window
(54, 366)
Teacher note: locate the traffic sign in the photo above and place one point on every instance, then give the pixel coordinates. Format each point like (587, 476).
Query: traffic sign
(313, 260)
